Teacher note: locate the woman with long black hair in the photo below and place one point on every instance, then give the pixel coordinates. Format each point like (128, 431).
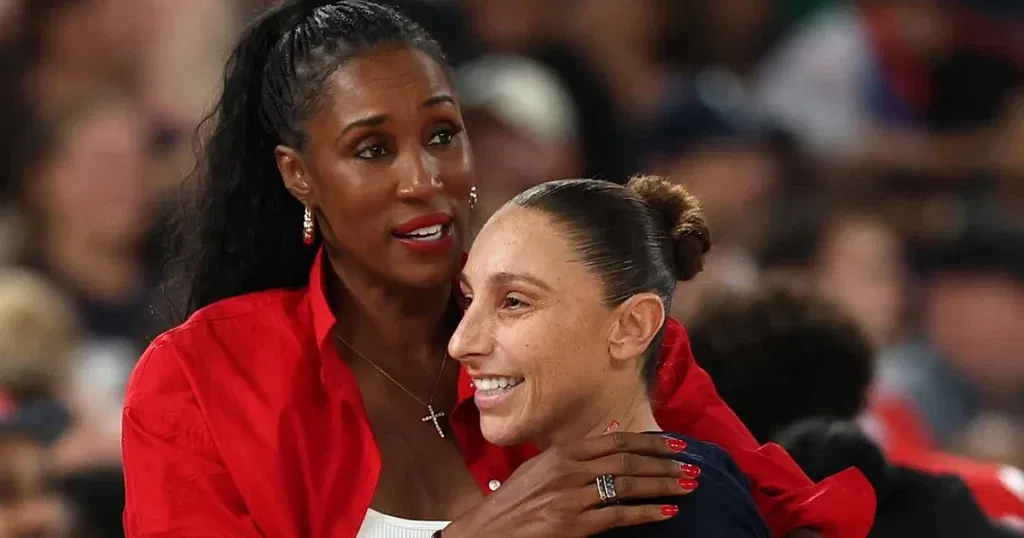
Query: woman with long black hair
(309, 393)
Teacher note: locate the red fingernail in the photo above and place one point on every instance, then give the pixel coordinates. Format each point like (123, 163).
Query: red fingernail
(614, 425)
(669, 510)
(687, 484)
(676, 444)
(691, 470)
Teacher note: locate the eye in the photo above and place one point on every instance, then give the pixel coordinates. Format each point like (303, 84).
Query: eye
(444, 137)
(513, 303)
(375, 151)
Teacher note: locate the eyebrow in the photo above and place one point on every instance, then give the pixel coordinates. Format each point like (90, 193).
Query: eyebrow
(506, 277)
(439, 99)
(379, 119)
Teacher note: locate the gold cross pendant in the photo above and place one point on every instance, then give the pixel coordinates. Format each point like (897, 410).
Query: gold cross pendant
(432, 417)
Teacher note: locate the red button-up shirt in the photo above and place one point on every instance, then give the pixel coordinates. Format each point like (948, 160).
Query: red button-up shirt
(244, 421)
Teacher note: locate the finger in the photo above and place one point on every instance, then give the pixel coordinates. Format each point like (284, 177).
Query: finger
(614, 442)
(610, 517)
(626, 464)
(632, 488)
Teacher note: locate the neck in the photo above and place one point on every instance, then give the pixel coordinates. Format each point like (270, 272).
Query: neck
(631, 411)
(390, 324)
(95, 269)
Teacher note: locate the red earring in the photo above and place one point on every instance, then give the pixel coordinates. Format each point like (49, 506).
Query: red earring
(307, 227)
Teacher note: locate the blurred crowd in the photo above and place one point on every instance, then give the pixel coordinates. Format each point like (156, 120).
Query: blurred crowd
(872, 150)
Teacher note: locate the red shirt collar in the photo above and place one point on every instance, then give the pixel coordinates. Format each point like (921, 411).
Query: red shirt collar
(323, 320)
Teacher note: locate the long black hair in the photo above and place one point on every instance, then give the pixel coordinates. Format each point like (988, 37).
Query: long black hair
(244, 233)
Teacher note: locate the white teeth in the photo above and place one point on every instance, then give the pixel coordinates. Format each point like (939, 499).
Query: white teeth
(497, 383)
(427, 233)
(429, 230)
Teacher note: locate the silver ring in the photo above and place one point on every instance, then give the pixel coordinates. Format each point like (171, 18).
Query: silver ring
(606, 488)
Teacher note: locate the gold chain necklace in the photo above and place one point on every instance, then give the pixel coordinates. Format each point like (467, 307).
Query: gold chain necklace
(432, 415)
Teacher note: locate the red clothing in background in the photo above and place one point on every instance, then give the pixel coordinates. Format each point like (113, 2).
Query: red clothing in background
(906, 440)
(245, 422)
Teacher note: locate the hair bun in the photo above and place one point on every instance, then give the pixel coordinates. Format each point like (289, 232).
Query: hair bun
(679, 212)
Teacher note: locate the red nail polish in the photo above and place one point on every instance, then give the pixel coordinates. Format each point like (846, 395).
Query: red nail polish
(669, 510)
(677, 445)
(687, 484)
(691, 470)
(614, 425)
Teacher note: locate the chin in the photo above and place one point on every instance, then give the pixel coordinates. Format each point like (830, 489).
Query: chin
(502, 431)
(428, 272)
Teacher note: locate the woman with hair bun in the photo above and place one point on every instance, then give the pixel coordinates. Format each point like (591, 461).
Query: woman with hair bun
(567, 291)
(309, 393)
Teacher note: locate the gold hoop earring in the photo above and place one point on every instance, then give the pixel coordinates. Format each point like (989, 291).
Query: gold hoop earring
(308, 226)
(472, 198)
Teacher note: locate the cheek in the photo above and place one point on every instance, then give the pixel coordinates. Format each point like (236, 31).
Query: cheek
(561, 359)
(457, 170)
(353, 193)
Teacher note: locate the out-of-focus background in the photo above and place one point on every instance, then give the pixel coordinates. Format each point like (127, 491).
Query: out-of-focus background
(871, 148)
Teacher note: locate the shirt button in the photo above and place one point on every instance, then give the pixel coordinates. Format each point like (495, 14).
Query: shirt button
(494, 485)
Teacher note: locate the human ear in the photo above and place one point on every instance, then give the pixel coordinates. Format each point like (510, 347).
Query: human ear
(295, 175)
(637, 322)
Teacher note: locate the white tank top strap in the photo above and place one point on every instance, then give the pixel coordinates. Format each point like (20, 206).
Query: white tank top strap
(378, 525)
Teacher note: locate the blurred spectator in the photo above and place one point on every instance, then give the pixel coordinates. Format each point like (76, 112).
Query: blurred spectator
(854, 257)
(86, 208)
(71, 47)
(898, 84)
(860, 266)
(523, 126)
(813, 82)
(38, 334)
(845, 245)
(190, 42)
(622, 40)
(969, 361)
(86, 202)
(709, 142)
(38, 338)
(783, 354)
(460, 27)
(782, 344)
(910, 502)
(28, 508)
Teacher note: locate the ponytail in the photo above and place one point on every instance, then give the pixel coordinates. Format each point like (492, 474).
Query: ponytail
(234, 237)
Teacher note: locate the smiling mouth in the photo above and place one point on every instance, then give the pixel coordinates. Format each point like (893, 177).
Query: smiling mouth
(426, 234)
(494, 386)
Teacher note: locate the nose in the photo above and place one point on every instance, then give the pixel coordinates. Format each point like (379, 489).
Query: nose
(420, 176)
(473, 338)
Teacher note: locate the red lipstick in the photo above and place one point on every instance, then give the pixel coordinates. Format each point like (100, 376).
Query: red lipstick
(426, 234)
(423, 221)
